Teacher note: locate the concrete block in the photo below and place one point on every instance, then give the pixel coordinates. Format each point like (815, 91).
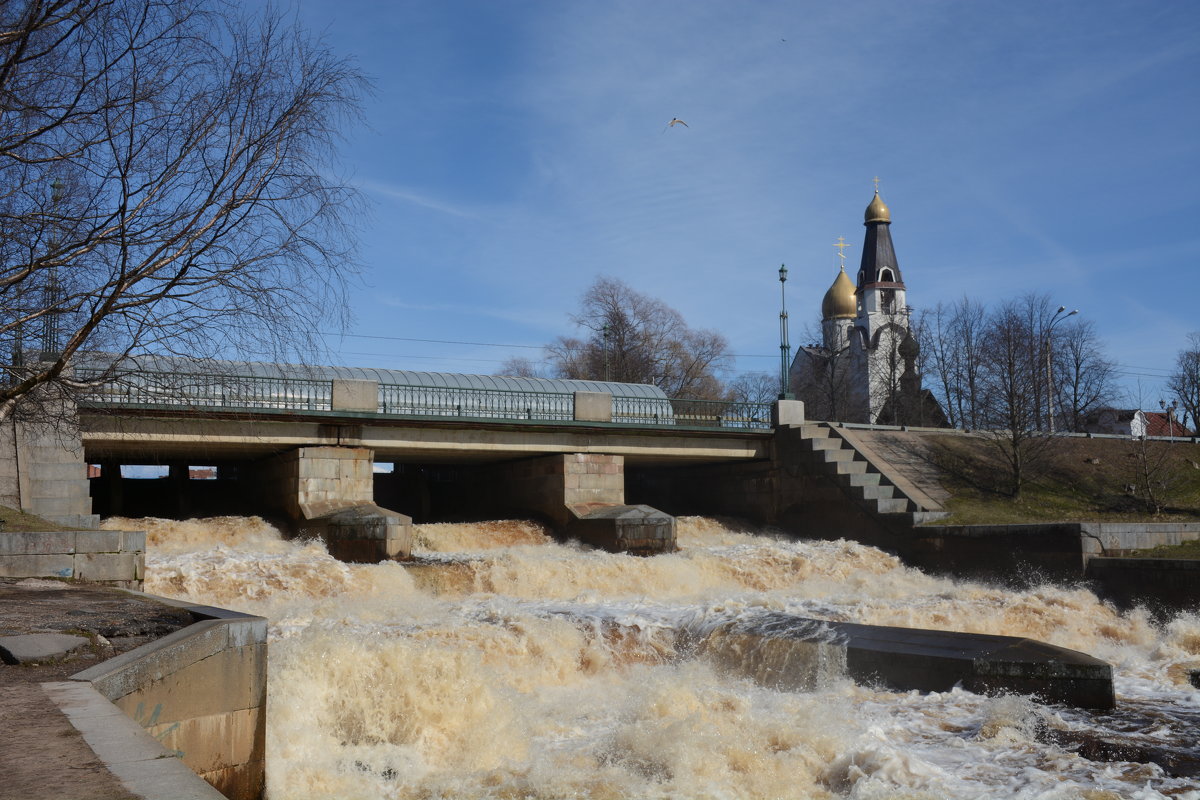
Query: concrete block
(38, 646)
(74, 471)
(787, 413)
(102, 567)
(348, 395)
(57, 505)
(593, 406)
(58, 565)
(37, 542)
(98, 541)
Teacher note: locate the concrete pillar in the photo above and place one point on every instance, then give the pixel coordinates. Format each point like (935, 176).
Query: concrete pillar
(329, 492)
(583, 497)
(42, 470)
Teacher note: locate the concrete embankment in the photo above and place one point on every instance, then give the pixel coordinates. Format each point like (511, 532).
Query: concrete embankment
(200, 693)
(795, 653)
(1161, 583)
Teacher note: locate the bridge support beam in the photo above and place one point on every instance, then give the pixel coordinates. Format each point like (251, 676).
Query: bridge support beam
(582, 495)
(328, 492)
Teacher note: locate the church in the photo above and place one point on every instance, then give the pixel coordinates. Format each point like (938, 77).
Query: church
(865, 368)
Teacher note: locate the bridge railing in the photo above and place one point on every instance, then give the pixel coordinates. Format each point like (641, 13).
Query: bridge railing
(691, 413)
(248, 392)
(445, 401)
(206, 390)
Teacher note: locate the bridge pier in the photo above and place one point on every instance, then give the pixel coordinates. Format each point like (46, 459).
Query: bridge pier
(582, 496)
(42, 470)
(328, 491)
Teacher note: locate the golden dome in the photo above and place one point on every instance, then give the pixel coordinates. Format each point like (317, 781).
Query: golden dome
(839, 302)
(877, 211)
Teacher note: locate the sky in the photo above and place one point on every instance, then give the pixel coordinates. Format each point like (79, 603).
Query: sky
(513, 151)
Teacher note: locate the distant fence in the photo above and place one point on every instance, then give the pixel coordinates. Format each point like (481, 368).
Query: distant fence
(206, 391)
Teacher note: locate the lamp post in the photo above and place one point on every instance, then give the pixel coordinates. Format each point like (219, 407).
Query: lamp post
(606, 329)
(785, 349)
(1049, 379)
(1169, 411)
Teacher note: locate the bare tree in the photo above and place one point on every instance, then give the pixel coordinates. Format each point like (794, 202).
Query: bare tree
(633, 338)
(1084, 379)
(952, 341)
(753, 387)
(520, 367)
(1012, 380)
(165, 184)
(1184, 383)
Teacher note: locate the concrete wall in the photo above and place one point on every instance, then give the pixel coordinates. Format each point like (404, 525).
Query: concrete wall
(42, 472)
(117, 558)
(1164, 584)
(201, 692)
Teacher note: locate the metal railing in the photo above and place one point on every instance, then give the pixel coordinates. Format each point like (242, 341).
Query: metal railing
(206, 390)
(469, 403)
(249, 392)
(691, 413)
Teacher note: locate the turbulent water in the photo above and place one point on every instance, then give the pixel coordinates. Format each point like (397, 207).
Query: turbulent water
(504, 665)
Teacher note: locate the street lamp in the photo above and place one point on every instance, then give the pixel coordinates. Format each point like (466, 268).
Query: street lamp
(785, 349)
(1049, 379)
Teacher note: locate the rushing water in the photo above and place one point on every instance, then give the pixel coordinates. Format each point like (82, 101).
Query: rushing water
(504, 665)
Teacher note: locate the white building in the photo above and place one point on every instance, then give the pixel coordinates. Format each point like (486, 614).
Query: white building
(865, 368)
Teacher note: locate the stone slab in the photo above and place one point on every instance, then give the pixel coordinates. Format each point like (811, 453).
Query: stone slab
(907, 659)
(30, 647)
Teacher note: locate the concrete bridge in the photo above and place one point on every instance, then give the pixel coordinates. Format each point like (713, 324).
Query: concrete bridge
(355, 455)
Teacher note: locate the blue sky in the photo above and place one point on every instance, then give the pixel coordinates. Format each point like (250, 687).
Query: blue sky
(514, 151)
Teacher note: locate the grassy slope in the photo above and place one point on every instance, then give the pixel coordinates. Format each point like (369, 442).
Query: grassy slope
(13, 520)
(1100, 480)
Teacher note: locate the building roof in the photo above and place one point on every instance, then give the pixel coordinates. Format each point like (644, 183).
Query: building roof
(840, 301)
(454, 380)
(878, 251)
(1163, 423)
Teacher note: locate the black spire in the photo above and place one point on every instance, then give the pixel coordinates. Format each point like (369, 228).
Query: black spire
(878, 254)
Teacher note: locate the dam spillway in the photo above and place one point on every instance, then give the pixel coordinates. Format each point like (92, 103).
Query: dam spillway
(506, 662)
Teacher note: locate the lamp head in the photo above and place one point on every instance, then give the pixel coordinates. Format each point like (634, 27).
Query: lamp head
(782, 273)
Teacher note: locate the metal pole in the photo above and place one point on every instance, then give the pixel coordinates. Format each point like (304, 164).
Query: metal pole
(606, 352)
(1049, 365)
(785, 348)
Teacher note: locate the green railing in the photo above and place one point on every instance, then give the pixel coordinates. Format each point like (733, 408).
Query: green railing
(249, 392)
(470, 403)
(206, 390)
(691, 413)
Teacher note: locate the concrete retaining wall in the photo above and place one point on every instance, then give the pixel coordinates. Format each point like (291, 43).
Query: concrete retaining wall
(1162, 583)
(200, 692)
(116, 558)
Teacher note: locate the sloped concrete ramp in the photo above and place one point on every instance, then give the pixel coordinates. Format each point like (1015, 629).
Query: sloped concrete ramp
(789, 652)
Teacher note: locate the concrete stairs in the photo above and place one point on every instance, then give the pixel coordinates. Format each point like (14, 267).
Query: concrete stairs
(875, 485)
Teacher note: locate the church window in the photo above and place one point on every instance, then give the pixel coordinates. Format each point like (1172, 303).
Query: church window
(885, 274)
(887, 301)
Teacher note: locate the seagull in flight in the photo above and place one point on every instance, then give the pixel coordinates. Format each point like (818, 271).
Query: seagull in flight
(675, 121)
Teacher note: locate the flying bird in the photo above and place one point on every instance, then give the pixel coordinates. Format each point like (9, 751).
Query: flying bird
(675, 121)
